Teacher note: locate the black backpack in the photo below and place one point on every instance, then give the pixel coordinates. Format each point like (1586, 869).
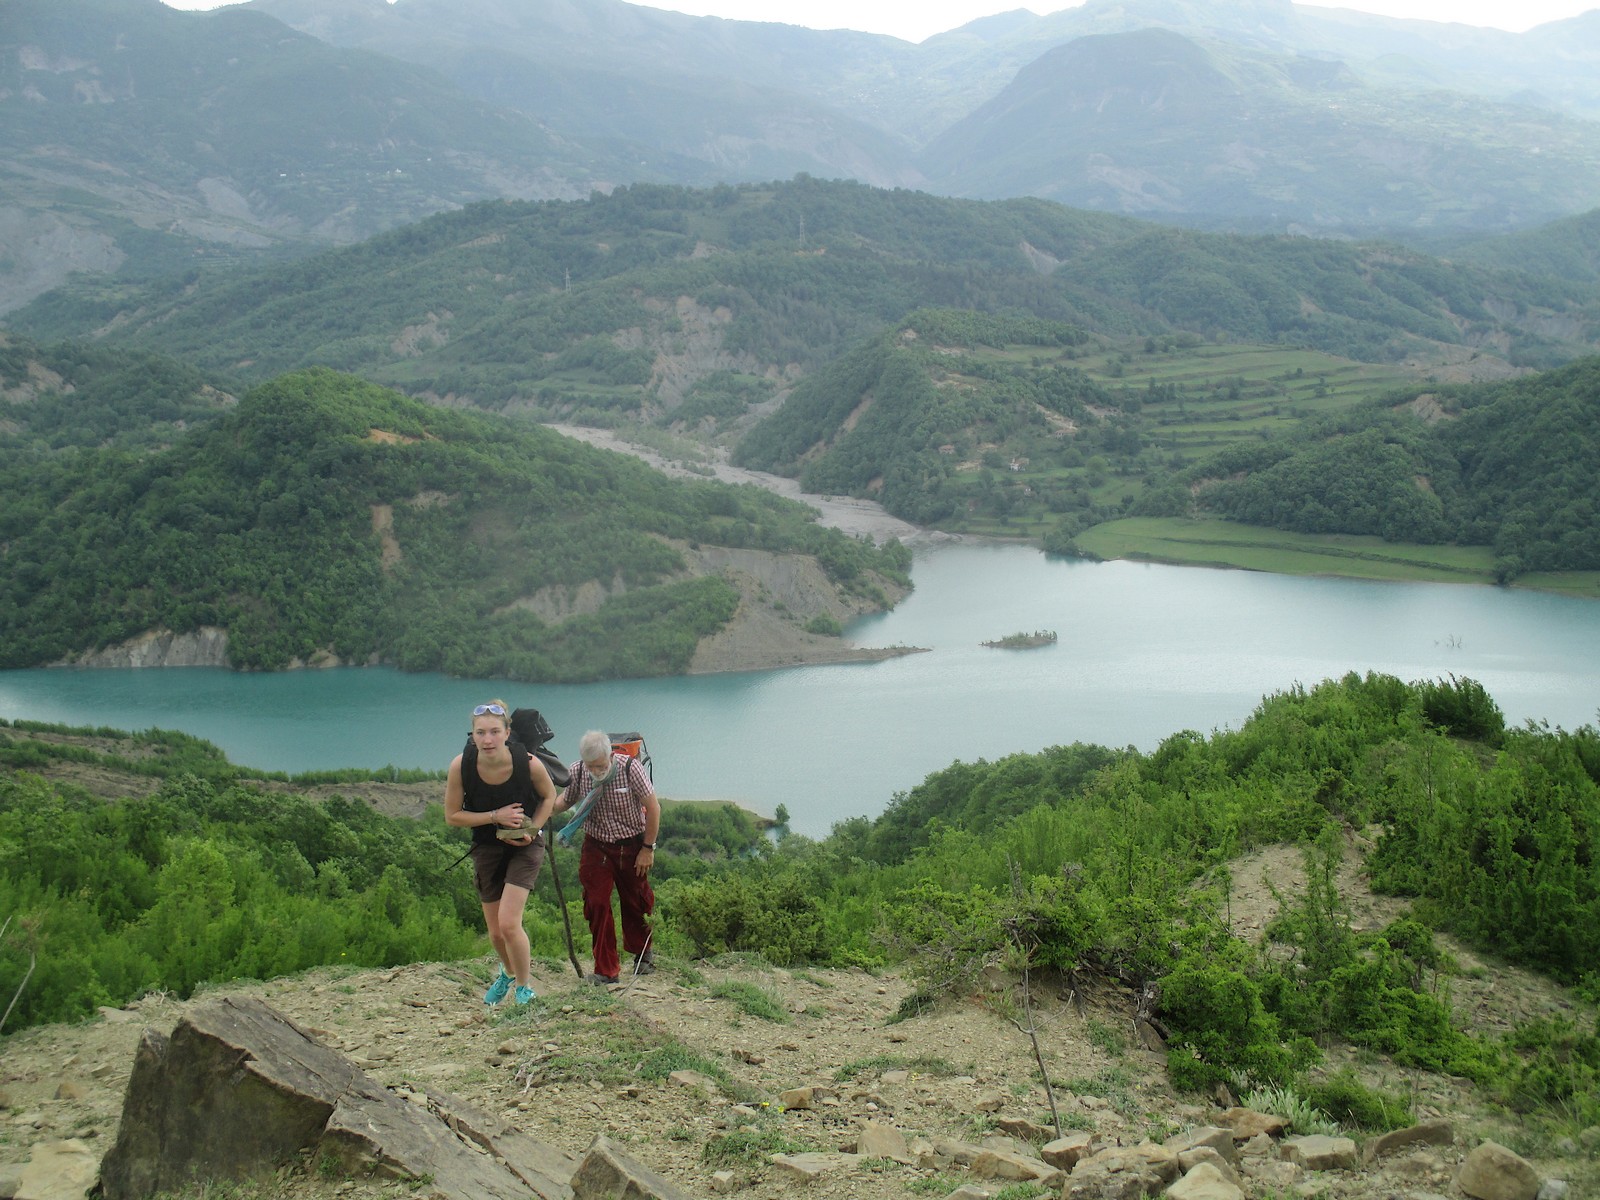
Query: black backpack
(531, 731)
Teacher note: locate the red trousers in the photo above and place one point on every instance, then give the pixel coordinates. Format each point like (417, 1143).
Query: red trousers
(604, 866)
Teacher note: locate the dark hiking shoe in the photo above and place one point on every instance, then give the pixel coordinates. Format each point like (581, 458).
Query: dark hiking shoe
(600, 980)
(645, 964)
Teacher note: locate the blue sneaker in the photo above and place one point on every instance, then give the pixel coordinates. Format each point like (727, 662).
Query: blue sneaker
(525, 995)
(498, 989)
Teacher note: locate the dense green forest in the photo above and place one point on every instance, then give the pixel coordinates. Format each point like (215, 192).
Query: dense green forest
(1076, 861)
(1509, 465)
(325, 514)
(889, 419)
(81, 396)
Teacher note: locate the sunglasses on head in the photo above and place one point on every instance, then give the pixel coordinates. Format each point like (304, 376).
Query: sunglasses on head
(496, 709)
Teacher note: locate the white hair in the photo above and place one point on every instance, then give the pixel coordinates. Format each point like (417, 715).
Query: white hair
(594, 745)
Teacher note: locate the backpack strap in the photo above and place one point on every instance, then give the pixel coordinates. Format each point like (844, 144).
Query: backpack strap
(521, 767)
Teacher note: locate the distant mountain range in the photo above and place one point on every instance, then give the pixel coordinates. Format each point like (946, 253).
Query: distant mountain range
(1154, 122)
(140, 141)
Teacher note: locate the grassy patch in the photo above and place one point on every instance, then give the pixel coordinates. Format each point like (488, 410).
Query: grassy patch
(1021, 1191)
(935, 1185)
(927, 1064)
(1304, 1117)
(1113, 1085)
(672, 1056)
(1106, 1039)
(923, 1000)
(1216, 543)
(1585, 584)
(748, 998)
(751, 1146)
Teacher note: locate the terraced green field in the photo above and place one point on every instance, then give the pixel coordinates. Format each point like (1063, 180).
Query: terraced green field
(1216, 543)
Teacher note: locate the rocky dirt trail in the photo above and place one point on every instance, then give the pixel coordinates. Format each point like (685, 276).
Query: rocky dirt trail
(581, 1060)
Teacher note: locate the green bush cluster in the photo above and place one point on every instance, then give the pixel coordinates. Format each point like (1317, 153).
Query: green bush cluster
(1347, 1100)
(777, 914)
(197, 883)
(1075, 861)
(212, 877)
(1084, 859)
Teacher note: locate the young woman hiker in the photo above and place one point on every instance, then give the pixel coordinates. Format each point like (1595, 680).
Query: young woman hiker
(504, 797)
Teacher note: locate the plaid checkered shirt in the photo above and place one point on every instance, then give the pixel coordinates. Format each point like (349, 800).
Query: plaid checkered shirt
(618, 812)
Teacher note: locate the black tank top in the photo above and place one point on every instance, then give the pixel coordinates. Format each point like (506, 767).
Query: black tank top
(478, 796)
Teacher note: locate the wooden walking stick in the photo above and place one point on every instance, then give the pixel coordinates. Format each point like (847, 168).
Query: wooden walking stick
(561, 899)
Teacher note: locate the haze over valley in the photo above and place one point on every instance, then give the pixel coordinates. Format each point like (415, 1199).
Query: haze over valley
(362, 361)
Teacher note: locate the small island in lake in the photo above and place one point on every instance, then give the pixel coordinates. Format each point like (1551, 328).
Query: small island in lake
(1024, 641)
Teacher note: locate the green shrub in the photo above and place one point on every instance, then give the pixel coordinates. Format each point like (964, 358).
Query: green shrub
(755, 1001)
(1303, 1116)
(750, 1147)
(1552, 1063)
(772, 911)
(1350, 1102)
(1221, 1031)
(1462, 708)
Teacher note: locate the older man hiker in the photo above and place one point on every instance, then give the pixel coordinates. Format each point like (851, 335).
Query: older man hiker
(617, 810)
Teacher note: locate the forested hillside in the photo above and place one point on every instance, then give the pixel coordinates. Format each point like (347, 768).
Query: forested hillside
(70, 396)
(1011, 367)
(1508, 465)
(1013, 425)
(569, 305)
(139, 140)
(1565, 249)
(616, 306)
(898, 418)
(324, 516)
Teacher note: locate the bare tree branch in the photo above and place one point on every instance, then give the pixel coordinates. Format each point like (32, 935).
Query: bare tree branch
(33, 961)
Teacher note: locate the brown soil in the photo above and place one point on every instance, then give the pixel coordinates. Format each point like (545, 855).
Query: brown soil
(563, 1069)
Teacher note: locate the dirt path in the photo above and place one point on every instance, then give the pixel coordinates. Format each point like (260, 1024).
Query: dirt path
(845, 513)
(569, 1066)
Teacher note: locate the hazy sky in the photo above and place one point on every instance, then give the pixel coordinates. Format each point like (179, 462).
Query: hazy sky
(917, 19)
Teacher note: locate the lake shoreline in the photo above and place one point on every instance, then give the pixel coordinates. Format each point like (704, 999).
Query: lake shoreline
(1145, 651)
(1329, 556)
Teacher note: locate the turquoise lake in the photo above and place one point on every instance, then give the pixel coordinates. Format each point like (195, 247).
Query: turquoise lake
(1143, 651)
